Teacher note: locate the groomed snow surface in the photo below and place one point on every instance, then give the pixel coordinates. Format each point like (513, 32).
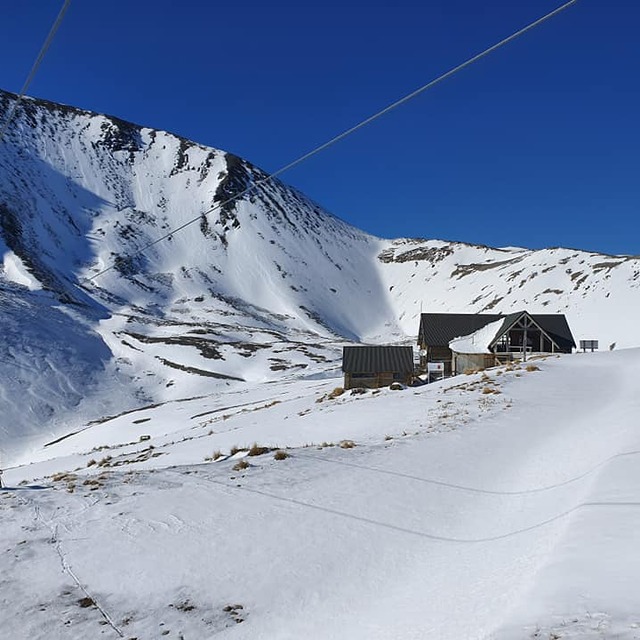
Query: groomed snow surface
(500, 505)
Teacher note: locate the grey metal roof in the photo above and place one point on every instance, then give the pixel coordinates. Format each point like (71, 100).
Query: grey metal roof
(438, 329)
(556, 325)
(377, 359)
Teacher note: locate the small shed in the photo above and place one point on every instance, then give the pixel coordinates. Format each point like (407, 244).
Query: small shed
(374, 367)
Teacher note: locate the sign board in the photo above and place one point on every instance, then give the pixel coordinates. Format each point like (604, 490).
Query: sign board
(592, 345)
(436, 368)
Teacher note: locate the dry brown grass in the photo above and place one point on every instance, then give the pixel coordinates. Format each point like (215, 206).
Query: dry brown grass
(347, 444)
(257, 450)
(92, 483)
(241, 465)
(532, 367)
(235, 449)
(105, 462)
(64, 476)
(280, 455)
(336, 393)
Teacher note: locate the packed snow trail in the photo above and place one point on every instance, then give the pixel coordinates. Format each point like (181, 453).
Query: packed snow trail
(523, 520)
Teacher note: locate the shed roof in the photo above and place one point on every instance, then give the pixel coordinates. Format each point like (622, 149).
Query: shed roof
(377, 359)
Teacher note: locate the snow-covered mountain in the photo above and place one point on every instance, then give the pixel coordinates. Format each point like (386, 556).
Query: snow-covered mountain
(266, 287)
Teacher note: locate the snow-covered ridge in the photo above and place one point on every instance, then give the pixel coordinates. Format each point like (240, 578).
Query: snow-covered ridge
(596, 291)
(266, 287)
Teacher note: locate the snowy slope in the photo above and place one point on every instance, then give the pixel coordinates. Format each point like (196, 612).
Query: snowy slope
(596, 292)
(267, 288)
(458, 514)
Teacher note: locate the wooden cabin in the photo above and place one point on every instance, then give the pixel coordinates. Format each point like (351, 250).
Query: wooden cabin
(465, 341)
(374, 367)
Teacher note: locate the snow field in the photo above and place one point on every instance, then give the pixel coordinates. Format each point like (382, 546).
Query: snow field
(514, 516)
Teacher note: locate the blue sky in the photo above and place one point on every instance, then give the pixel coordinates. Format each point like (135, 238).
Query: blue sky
(536, 145)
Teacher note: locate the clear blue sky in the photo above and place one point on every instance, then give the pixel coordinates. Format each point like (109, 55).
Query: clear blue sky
(536, 145)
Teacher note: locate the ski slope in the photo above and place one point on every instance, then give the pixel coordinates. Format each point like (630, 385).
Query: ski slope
(498, 505)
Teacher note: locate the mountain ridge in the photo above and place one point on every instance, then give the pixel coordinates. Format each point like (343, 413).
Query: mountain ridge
(267, 286)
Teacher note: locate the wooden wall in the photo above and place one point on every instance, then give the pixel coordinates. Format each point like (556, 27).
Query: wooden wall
(469, 361)
(374, 381)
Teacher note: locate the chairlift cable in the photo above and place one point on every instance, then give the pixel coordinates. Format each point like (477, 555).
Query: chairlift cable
(340, 136)
(34, 68)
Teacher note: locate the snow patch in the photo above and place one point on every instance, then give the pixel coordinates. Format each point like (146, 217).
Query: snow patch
(16, 271)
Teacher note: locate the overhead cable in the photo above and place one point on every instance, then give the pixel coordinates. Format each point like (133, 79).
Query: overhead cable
(34, 68)
(339, 137)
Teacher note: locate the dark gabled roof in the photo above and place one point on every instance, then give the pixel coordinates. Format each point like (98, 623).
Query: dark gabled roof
(377, 359)
(438, 329)
(556, 325)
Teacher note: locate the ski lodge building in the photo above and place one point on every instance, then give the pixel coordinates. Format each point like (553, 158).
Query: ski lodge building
(464, 341)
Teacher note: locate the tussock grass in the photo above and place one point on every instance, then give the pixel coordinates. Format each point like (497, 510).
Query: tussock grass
(235, 449)
(105, 462)
(64, 476)
(257, 450)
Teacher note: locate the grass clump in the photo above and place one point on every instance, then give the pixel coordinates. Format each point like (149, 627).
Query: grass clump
(336, 393)
(235, 449)
(241, 465)
(105, 462)
(64, 476)
(280, 455)
(347, 444)
(533, 367)
(216, 455)
(92, 483)
(257, 450)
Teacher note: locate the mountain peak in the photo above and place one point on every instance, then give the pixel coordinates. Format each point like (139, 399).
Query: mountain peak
(251, 288)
